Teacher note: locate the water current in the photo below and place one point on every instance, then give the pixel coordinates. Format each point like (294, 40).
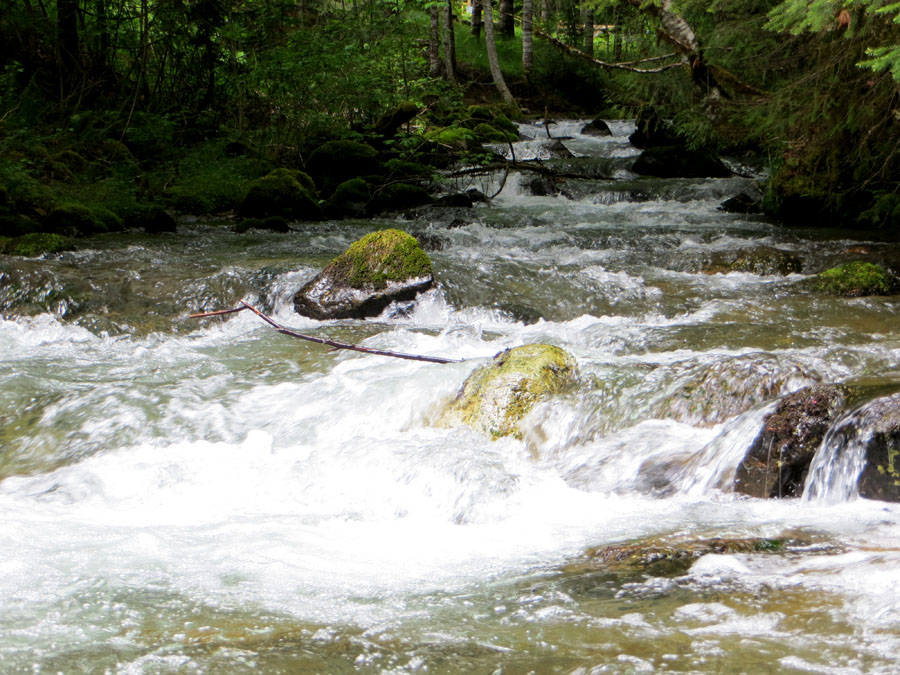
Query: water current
(183, 497)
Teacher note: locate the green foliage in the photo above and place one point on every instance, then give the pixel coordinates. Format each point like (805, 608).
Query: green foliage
(37, 244)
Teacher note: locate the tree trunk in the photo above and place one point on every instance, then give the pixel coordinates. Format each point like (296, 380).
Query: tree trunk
(476, 18)
(67, 42)
(589, 32)
(507, 19)
(449, 48)
(491, 47)
(545, 15)
(451, 35)
(527, 37)
(434, 42)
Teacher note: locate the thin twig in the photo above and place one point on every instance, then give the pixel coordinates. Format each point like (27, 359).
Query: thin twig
(324, 341)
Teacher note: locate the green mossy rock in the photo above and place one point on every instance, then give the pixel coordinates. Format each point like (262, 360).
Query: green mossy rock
(155, 220)
(391, 121)
(336, 161)
(854, 279)
(399, 168)
(38, 243)
(488, 133)
(399, 196)
(350, 199)
(283, 192)
(382, 267)
(184, 200)
(497, 396)
(73, 220)
(480, 112)
(5, 245)
(458, 138)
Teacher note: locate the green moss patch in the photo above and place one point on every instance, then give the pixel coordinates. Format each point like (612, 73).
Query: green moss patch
(380, 257)
(336, 161)
(38, 243)
(73, 220)
(854, 279)
(282, 192)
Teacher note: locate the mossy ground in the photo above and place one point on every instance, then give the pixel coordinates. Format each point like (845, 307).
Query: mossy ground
(496, 397)
(378, 258)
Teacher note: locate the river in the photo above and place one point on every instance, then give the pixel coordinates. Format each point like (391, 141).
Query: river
(184, 496)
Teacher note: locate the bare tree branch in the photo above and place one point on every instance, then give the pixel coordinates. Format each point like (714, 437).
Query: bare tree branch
(336, 344)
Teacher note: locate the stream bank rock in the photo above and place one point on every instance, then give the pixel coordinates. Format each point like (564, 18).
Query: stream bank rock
(762, 260)
(854, 279)
(496, 397)
(675, 161)
(382, 267)
(778, 459)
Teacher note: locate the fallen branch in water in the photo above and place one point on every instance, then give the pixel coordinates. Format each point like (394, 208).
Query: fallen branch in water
(335, 344)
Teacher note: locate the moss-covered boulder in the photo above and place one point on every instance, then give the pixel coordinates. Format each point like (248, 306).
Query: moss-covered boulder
(381, 268)
(401, 168)
(854, 279)
(456, 138)
(675, 161)
(488, 133)
(762, 260)
(391, 121)
(336, 161)
(72, 220)
(399, 196)
(350, 199)
(778, 460)
(37, 244)
(283, 192)
(155, 220)
(14, 225)
(496, 397)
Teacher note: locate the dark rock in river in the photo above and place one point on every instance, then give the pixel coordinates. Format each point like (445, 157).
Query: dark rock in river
(558, 150)
(778, 459)
(874, 432)
(381, 268)
(673, 161)
(742, 203)
(652, 131)
(762, 260)
(542, 186)
(596, 128)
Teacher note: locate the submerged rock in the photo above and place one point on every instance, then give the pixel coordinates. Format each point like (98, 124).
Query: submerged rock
(778, 459)
(674, 558)
(762, 260)
(382, 267)
(854, 279)
(496, 397)
(742, 203)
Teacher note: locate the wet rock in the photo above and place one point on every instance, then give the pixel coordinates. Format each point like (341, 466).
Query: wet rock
(542, 186)
(712, 393)
(271, 224)
(350, 199)
(674, 558)
(854, 279)
(596, 128)
(391, 121)
(497, 396)
(652, 131)
(762, 260)
(461, 200)
(742, 203)
(673, 161)
(382, 267)
(558, 150)
(874, 432)
(72, 220)
(398, 196)
(778, 460)
(156, 220)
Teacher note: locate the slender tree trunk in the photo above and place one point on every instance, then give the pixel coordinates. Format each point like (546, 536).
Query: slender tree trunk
(527, 37)
(589, 32)
(507, 19)
(545, 16)
(476, 18)
(449, 48)
(451, 34)
(67, 43)
(491, 47)
(434, 41)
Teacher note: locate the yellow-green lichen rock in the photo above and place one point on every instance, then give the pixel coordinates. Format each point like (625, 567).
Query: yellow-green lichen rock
(496, 397)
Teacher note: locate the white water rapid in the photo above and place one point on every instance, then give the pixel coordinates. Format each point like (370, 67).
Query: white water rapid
(183, 497)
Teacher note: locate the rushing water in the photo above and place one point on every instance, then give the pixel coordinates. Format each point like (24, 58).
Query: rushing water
(181, 497)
